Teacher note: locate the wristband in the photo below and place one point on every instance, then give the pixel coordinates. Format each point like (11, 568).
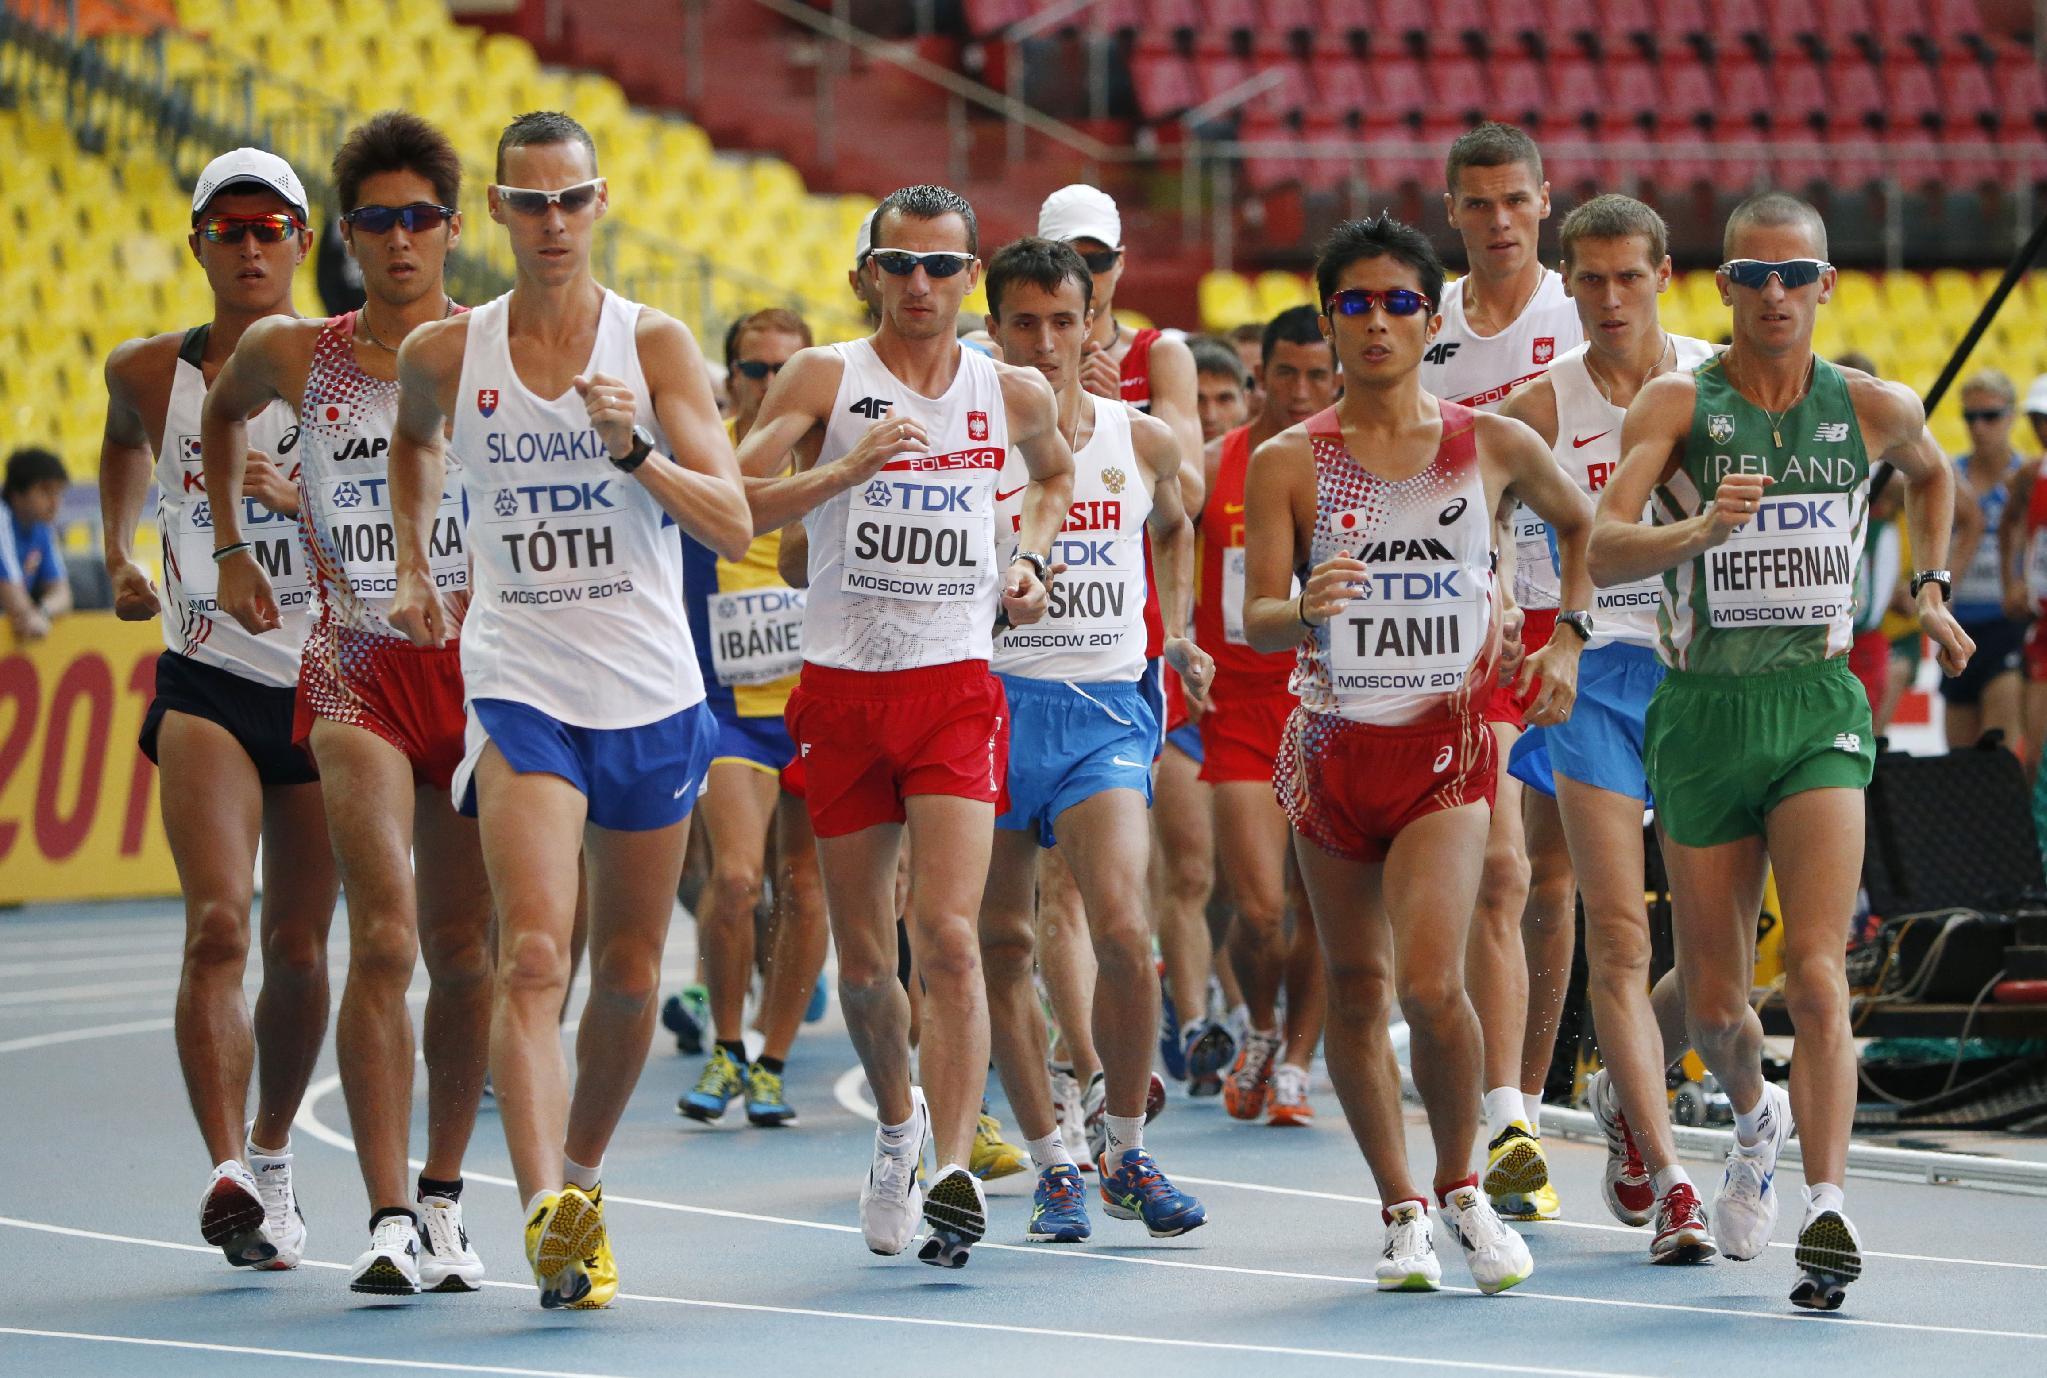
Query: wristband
(224, 552)
(1301, 611)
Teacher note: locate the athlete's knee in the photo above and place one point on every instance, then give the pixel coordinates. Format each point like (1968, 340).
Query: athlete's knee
(294, 954)
(1008, 947)
(1715, 1019)
(1122, 943)
(1551, 885)
(1815, 994)
(1360, 991)
(948, 953)
(217, 935)
(1503, 886)
(1432, 996)
(534, 963)
(734, 888)
(380, 953)
(627, 975)
(1190, 876)
(457, 959)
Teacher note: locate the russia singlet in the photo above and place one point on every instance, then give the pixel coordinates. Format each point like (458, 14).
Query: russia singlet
(193, 624)
(1135, 376)
(1479, 371)
(902, 567)
(577, 575)
(1093, 629)
(1240, 672)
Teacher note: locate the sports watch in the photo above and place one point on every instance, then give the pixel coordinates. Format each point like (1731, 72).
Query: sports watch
(1579, 622)
(643, 445)
(1935, 576)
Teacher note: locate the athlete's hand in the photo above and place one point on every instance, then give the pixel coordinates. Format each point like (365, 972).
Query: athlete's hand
(612, 408)
(266, 483)
(30, 624)
(1024, 595)
(885, 439)
(1937, 620)
(246, 595)
(1099, 374)
(1194, 666)
(1331, 587)
(416, 610)
(135, 597)
(1734, 503)
(1556, 665)
(1512, 648)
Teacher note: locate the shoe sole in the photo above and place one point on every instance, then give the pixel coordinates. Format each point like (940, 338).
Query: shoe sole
(1058, 1237)
(383, 1278)
(1818, 1294)
(1242, 1106)
(1291, 1117)
(1688, 1248)
(1827, 1251)
(1519, 1171)
(1208, 1056)
(702, 1114)
(1504, 1284)
(230, 1213)
(996, 1172)
(776, 1120)
(1412, 1282)
(957, 1221)
(569, 1238)
(1511, 1207)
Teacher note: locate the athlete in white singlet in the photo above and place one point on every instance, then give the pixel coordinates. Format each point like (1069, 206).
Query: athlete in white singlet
(899, 439)
(1386, 768)
(381, 716)
(587, 734)
(220, 724)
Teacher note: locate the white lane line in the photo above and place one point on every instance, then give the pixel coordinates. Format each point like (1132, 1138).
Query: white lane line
(51, 1040)
(169, 960)
(320, 1356)
(57, 995)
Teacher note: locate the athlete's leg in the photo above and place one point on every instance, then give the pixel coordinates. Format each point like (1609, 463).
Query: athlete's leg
(454, 940)
(1185, 859)
(1306, 991)
(1108, 838)
(2002, 708)
(633, 876)
(300, 886)
(738, 808)
(1716, 893)
(1495, 967)
(1961, 723)
(950, 841)
(1016, 1019)
(1549, 930)
(859, 872)
(1068, 962)
(796, 952)
(1251, 840)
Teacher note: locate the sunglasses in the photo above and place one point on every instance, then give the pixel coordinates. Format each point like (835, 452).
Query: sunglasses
(420, 215)
(268, 229)
(1397, 301)
(1792, 272)
(527, 201)
(1101, 260)
(1985, 414)
(757, 369)
(938, 263)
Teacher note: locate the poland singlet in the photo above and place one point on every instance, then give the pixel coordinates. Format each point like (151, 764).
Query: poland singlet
(193, 624)
(1421, 640)
(345, 493)
(1093, 630)
(576, 605)
(1588, 448)
(902, 567)
(1479, 371)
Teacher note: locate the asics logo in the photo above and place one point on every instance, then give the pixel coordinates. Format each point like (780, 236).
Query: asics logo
(1452, 512)
(1443, 760)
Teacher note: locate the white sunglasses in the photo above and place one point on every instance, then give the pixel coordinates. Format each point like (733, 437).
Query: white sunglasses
(527, 201)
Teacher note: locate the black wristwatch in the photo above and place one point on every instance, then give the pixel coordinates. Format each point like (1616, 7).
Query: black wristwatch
(1935, 576)
(1579, 622)
(643, 445)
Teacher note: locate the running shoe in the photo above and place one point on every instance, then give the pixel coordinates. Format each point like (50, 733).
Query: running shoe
(1497, 1257)
(1069, 1107)
(1408, 1263)
(684, 1014)
(1210, 1048)
(1095, 1110)
(1540, 1204)
(993, 1155)
(1745, 1208)
(721, 1084)
(814, 1011)
(1829, 1258)
(1515, 1165)
(1289, 1104)
(446, 1262)
(1629, 1192)
(1681, 1233)
(283, 1224)
(1133, 1188)
(1172, 1056)
(765, 1105)
(231, 1217)
(599, 1264)
(560, 1236)
(1059, 1207)
(956, 1209)
(390, 1266)
(891, 1199)
(1249, 1083)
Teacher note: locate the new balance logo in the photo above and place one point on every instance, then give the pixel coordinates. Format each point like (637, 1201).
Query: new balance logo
(873, 408)
(1440, 354)
(1831, 432)
(1850, 742)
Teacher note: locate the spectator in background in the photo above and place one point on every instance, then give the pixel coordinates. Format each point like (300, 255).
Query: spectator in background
(1986, 695)
(1249, 341)
(1222, 387)
(1884, 672)
(2036, 410)
(33, 587)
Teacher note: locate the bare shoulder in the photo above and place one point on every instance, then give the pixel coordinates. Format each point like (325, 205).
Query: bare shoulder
(133, 364)
(1154, 441)
(1174, 353)
(1889, 411)
(283, 338)
(1667, 399)
(1506, 437)
(435, 349)
(1024, 387)
(1289, 447)
(657, 328)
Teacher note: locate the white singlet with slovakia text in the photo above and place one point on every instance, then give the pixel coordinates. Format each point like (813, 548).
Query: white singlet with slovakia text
(1588, 448)
(193, 624)
(576, 576)
(902, 567)
(1093, 630)
(1479, 371)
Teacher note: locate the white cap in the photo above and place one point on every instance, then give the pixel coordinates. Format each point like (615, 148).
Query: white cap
(249, 167)
(863, 243)
(1081, 212)
(2036, 397)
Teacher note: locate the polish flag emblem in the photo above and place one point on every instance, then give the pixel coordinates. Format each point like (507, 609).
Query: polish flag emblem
(977, 425)
(487, 400)
(1545, 348)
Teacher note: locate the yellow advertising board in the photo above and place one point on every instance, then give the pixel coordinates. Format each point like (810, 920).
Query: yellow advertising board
(79, 816)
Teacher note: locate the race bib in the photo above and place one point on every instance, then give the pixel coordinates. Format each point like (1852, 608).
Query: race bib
(273, 540)
(1233, 595)
(920, 537)
(356, 515)
(1415, 629)
(556, 544)
(1792, 565)
(1096, 590)
(756, 635)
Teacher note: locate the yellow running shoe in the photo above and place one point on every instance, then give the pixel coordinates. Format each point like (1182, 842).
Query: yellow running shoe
(1514, 1163)
(559, 1237)
(993, 1156)
(1540, 1204)
(600, 1265)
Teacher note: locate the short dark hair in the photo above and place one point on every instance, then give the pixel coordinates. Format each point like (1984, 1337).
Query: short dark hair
(1035, 262)
(775, 320)
(1355, 241)
(1295, 325)
(1614, 216)
(1491, 144)
(1213, 356)
(537, 127)
(1771, 209)
(927, 202)
(396, 141)
(32, 465)
(1250, 332)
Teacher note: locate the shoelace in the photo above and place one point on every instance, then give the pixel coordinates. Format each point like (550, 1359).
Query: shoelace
(1633, 1166)
(1061, 1188)
(1144, 1177)
(763, 1084)
(1478, 1226)
(273, 1189)
(1409, 1237)
(1744, 1177)
(1680, 1206)
(1259, 1050)
(1290, 1084)
(897, 1172)
(443, 1235)
(718, 1073)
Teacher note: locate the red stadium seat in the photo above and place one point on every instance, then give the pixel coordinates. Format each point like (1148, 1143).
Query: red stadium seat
(1216, 73)
(1914, 101)
(1625, 24)
(1349, 18)
(1399, 93)
(1745, 95)
(1119, 16)
(2022, 95)
(1164, 82)
(1856, 103)
(1799, 102)
(1849, 26)
(1165, 18)
(1973, 110)
(1232, 16)
(1267, 172)
(1955, 27)
(1577, 92)
(1340, 89)
(984, 17)
(1794, 26)
(1900, 26)
(1294, 96)
(1688, 96)
(1461, 92)
(1289, 17)
(1459, 26)
(1519, 94)
(1737, 26)
(1633, 92)
(1917, 161)
(1408, 22)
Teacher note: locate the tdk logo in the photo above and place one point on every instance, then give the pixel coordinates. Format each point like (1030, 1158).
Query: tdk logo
(926, 497)
(553, 499)
(347, 495)
(1792, 514)
(1416, 586)
(1081, 553)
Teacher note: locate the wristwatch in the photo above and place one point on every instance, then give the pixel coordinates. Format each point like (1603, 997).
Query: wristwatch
(1036, 562)
(1935, 576)
(643, 445)
(1579, 622)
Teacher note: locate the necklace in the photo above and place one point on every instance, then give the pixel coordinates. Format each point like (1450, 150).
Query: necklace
(1517, 310)
(1669, 348)
(1777, 418)
(362, 321)
(1113, 339)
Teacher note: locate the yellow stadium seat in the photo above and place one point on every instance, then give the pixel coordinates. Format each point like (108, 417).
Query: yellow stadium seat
(1226, 300)
(1279, 291)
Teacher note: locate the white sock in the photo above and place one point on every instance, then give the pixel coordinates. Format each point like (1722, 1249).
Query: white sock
(271, 1153)
(900, 1139)
(1823, 1196)
(1670, 1177)
(1049, 1152)
(533, 1206)
(1125, 1133)
(1502, 1107)
(580, 1177)
(1533, 1105)
(1751, 1124)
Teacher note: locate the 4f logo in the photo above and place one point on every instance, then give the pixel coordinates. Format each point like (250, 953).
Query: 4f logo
(1441, 353)
(1545, 348)
(1831, 432)
(874, 408)
(1719, 429)
(487, 401)
(977, 425)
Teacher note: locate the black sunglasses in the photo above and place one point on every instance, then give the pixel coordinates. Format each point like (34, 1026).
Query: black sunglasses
(1792, 272)
(938, 263)
(420, 215)
(757, 369)
(1974, 415)
(1101, 260)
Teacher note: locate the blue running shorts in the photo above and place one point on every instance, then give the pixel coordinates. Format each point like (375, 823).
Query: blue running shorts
(762, 743)
(635, 778)
(1068, 743)
(1601, 743)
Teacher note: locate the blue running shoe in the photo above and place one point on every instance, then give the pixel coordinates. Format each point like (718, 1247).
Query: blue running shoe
(814, 1011)
(1209, 1051)
(720, 1084)
(1171, 1055)
(1059, 1208)
(1136, 1190)
(684, 1014)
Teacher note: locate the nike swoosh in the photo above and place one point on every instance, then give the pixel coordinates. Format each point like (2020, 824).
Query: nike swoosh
(1134, 765)
(1232, 508)
(1001, 496)
(1579, 444)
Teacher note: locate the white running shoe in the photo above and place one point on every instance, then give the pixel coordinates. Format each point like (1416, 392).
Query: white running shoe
(1629, 1190)
(231, 1216)
(283, 1224)
(1497, 1257)
(390, 1266)
(1069, 1104)
(1829, 1258)
(956, 1209)
(447, 1263)
(891, 1202)
(1094, 1113)
(1409, 1263)
(1745, 1208)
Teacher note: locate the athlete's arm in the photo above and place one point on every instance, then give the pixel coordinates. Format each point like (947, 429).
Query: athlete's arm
(1533, 476)
(792, 557)
(1211, 464)
(125, 462)
(251, 379)
(1174, 388)
(2011, 539)
(1893, 425)
(1534, 405)
(1161, 451)
(799, 402)
(1034, 431)
(1623, 548)
(1279, 519)
(429, 367)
